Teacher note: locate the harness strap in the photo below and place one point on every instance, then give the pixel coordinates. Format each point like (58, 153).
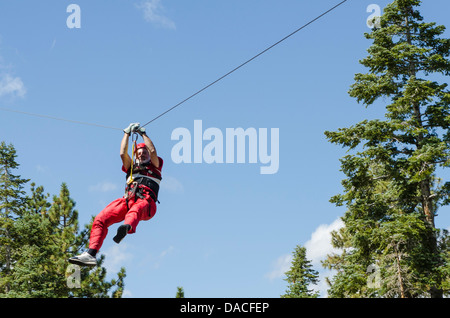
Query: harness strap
(133, 152)
(136, 187)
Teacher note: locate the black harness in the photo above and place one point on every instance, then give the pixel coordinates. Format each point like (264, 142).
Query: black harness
(143, 175)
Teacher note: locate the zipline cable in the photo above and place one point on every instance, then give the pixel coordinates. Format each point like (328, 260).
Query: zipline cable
(57, 118)
(196, 93)
(246, 62)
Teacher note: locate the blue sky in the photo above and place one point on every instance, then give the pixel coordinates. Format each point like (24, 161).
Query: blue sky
(222, 229)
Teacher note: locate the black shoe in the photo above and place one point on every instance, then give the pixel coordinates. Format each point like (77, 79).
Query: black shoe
(122, 231)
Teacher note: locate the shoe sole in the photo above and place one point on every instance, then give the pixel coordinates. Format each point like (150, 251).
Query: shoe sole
(81, 263)
(121, 233)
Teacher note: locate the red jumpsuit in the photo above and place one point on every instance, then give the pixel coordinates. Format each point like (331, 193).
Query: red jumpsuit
(131, 211)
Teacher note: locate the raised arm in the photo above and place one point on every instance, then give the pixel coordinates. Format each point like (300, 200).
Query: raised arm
(126, 160)
(151, 149)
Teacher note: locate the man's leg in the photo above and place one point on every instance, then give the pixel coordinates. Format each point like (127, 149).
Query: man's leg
(139, 210)
(121, 232)
(113, 213)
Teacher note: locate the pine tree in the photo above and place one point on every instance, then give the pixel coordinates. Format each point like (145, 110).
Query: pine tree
(33, 271)
(68, 242)
(392, 190)
(120, 283)
(300, 276)
(180, 292)
(12, 198)
(63, 219)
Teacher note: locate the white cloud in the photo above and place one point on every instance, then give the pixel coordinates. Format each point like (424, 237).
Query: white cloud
(317, 248)
(171, 184)
(162, 256)
(319, 245)
(153, 13)
(127, 293)
(154, 262)
(53, 44)
(11, 86)
(116, 257)
(322, 286)
(168, 183)
(41, 169)
(280, 266)
(104, 186)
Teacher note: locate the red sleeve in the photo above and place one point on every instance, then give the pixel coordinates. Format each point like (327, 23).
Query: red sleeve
(160, 163)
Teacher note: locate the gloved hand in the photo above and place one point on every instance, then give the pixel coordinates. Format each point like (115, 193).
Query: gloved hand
(133, 127)
(141, 131)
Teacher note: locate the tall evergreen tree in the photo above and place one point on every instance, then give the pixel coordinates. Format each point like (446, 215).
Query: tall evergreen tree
(12, 198)
(33, 271)
(38, 203)
(68, 241)
(63, 220)
(392, 190)
(300, 276)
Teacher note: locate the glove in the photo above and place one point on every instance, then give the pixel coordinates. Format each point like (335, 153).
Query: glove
(133, 127)
(141, 131)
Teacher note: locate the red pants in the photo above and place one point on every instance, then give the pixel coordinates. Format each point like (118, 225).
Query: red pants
(117, 211)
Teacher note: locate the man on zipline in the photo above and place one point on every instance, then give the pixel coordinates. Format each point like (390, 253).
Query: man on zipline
(139, 201)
